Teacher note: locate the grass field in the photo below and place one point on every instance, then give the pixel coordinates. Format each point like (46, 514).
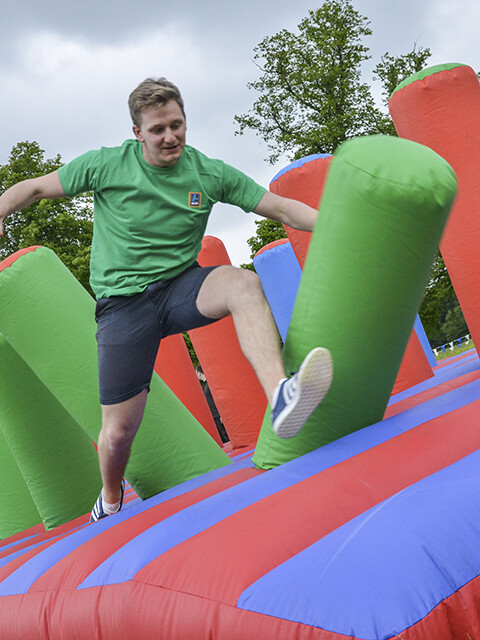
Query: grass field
(457, 349)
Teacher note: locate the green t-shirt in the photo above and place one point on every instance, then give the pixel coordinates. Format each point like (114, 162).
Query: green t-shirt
(149, 221)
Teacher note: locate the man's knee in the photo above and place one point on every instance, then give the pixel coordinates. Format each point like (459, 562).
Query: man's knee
(120, 422)
(243, 280)
(249, 285)
(118, 436)
(228, 289)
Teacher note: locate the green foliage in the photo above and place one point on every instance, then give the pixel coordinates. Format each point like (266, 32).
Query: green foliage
(440, 312)
(64, 225)
(312, 97)
(392, 70)
(191, 350)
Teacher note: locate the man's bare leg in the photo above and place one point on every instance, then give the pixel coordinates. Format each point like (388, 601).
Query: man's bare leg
(120, 423)
(230, 290)
(238, 292)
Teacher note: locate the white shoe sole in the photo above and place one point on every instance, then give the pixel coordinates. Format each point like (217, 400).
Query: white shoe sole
(314, 379)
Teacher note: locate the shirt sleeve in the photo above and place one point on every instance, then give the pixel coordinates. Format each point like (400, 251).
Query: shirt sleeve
(240, 190)
(80, 174)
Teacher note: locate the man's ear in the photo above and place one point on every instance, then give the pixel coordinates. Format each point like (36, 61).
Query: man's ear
(137, 133)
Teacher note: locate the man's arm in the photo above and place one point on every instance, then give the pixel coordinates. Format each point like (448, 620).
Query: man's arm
(27, 192)
(287, 211)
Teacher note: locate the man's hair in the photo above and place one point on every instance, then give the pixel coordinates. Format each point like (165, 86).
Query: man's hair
(152, 92)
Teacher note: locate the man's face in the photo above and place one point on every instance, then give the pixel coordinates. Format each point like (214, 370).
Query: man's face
(162, 133)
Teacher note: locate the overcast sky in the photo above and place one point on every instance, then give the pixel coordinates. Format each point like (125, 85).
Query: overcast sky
(67, 67)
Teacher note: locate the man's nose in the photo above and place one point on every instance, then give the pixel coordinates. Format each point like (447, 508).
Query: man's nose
(169, 135)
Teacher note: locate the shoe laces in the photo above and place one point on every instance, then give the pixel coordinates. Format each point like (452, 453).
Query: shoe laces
(290, 388)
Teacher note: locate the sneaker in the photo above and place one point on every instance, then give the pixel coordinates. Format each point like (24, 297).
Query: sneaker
(296, 398)
(98, 513)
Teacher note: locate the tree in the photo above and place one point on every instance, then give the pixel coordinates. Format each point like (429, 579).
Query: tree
(312, 96)
(64, 225)
(440, 311)
(392, 70)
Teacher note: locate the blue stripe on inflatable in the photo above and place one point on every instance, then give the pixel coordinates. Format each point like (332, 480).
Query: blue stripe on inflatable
(21, 580)
(300, 163)
(140, 551)
(280, 274)
(17, 542)
(380, 573)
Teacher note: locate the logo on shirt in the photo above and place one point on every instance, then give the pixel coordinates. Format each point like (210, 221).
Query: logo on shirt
(194, 199)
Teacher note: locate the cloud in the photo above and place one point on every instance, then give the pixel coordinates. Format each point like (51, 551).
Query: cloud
(82, 88)
(454, 28)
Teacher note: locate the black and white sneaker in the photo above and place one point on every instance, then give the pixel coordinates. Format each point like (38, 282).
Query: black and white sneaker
(98, 513)
(296, 398)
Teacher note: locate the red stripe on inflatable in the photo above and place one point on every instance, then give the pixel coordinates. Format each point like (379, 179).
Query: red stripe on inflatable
(271, 245)
(142, 611)
(15, 256)
(273, 530)
(70, 571)
(428, 394)
(415, 367)
(134, 611)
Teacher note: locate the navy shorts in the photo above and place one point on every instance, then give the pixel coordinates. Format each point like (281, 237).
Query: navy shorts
(130, 329)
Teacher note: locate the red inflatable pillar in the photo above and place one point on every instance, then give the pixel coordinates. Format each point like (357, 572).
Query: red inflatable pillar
(174, 366)
(304, 180)
(415, 366)
(235, 388)
(440, 108)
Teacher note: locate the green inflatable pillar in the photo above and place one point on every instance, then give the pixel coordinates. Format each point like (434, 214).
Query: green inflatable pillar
(48, 318)
(383, 210)
(57, 459)
(17, 509)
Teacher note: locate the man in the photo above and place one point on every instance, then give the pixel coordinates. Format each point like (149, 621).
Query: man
(152, 197)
